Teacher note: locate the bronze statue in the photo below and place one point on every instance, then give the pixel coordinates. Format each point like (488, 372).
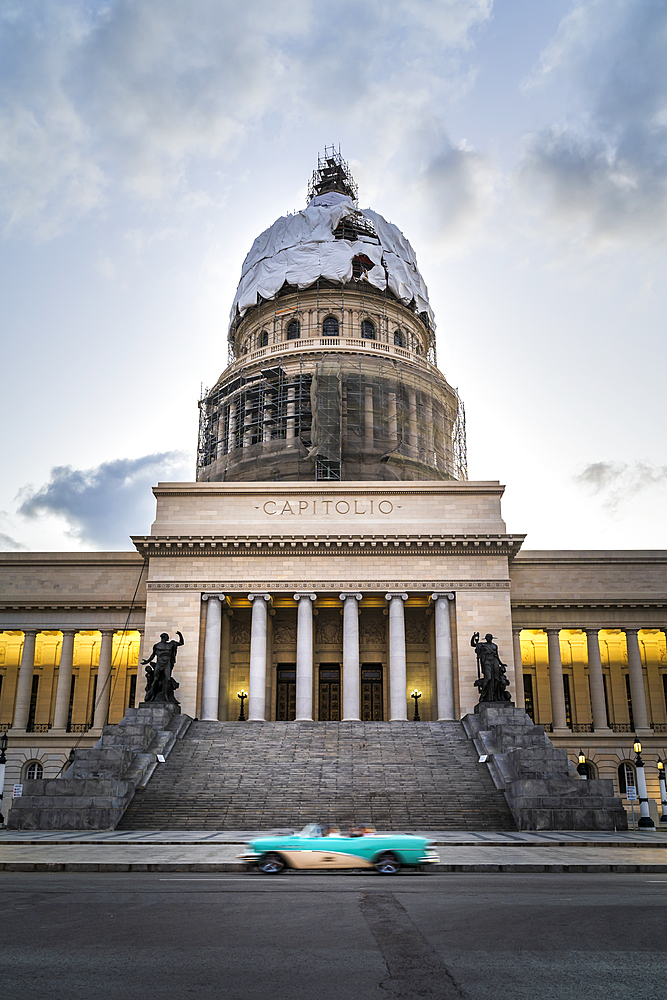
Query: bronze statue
(160, 685)
(492, 679)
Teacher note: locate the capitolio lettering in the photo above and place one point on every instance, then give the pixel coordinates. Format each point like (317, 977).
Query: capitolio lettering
(341, 507)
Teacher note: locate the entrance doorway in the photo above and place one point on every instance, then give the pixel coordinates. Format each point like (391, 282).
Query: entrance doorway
(286, 694)
(371, 693)
(329, 700)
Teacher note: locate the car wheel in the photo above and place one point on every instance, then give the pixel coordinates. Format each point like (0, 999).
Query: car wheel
(387, 864)
(271, 864)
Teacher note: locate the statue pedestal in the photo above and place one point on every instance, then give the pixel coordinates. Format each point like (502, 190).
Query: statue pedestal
(483, 707)
(540, 784)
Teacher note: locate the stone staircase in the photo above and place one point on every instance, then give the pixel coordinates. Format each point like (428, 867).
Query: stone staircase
(394, 776)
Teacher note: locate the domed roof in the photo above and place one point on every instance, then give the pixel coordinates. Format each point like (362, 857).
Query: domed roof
(322, 241)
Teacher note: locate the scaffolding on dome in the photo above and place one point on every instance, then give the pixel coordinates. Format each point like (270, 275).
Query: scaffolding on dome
(348, 410)
(332, 174)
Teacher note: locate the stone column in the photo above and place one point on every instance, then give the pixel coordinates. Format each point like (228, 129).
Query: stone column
(558, 716)
(231, 426)
(596, 682)
(637, 691)
(350, 656)
(289, 424)
(369, 426)
(519, 698)
(444, 660)
(412, 423)
(225, 662)
(211, 679)
(103, 692)
(61, 710)
(141, 673)
(428, 424)
(304, 657)
(24, 686)
(393, 421)
(398, 698)
(258, 632)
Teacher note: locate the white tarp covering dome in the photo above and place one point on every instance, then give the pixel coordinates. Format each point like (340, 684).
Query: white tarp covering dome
(300, 248)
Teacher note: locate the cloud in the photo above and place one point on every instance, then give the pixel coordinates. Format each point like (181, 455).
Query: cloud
(104, 505)
(9, 543)
(602, 171)
(618, 482)
(128, 98)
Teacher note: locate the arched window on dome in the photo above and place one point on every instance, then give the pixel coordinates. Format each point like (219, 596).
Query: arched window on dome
(33, 769)
(263, 338)
(330, 327)
(399, 339)
(293, 329)
(626, 776)
(367, 329)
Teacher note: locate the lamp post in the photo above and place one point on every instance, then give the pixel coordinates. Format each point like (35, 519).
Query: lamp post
(663, 791)
(242, 695)
(645, 821)
(3, 767)
(582, 769)
(416, 695)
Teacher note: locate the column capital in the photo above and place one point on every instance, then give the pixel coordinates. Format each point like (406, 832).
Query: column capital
(344, 597)
(254, 597)
(209, 596)
(516, 630)
(437, 597)
(592, 631)
(305, 597)
(629, 631)
(69, 631)
(107, 631)
(552, 631)
(391, 597)
(30, 631)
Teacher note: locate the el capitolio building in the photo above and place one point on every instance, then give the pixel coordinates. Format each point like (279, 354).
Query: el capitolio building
(331, 562)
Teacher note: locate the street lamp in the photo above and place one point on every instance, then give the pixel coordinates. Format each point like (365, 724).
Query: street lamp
(3, 767)
(663, 791)
(242, 695)
(645, 821)
(582, 769)
(416, 695)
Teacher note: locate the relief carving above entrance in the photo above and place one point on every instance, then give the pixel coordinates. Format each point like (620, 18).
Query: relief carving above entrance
(328, 631)
(372, 633)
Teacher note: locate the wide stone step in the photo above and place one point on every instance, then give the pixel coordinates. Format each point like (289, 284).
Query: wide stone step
(224, 776)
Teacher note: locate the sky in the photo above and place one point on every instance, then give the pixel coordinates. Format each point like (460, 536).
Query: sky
(520, 146)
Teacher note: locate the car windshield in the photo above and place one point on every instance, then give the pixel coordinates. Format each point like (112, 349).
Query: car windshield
(311, 830)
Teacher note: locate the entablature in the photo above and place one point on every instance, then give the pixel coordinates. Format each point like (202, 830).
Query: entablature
(214, 545)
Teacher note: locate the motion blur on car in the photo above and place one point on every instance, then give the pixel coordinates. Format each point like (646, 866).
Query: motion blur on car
(321, 846)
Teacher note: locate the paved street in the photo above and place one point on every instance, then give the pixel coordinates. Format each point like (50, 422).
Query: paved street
(300, 936)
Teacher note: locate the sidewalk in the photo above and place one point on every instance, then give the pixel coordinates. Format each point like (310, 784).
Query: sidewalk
(207, 851)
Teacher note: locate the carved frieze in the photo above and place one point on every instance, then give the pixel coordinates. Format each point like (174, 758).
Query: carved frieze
(240, 631)
(284, 633)
(372, 633)
(415, 631)
(328, 630)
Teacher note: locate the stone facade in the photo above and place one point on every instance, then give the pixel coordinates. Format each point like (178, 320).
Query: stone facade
(420, 539)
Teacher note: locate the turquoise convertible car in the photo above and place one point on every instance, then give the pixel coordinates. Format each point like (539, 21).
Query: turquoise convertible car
(317, 846)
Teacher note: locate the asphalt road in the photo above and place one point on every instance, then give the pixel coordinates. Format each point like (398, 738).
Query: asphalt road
(303, 936)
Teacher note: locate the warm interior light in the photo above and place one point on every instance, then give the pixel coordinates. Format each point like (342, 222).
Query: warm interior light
(638, 747)
(661, 766)
(582, 757)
